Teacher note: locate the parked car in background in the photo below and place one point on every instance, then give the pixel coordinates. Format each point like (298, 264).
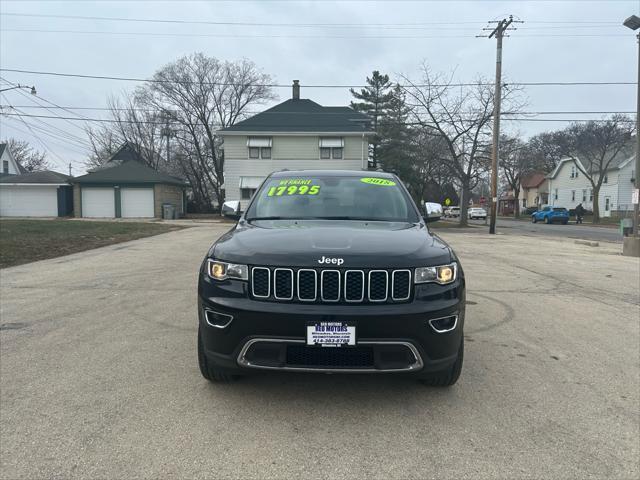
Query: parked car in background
(452, 212)
(551, 215)
(476, 212)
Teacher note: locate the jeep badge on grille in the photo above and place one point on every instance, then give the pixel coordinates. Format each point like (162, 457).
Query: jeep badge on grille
(332, 261)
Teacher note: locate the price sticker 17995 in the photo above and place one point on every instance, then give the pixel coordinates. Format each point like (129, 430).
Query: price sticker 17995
(282, 190)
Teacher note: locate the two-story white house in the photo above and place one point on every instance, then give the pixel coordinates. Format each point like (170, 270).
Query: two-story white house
(295, 134)
(568, 186)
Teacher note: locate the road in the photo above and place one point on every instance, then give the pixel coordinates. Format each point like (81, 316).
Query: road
(570, 231)
(98, 376)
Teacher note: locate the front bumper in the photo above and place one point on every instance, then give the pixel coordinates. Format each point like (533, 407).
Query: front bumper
(248, 334)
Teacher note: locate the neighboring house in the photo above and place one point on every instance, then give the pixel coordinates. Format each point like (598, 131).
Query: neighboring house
(296, 134)
(568, 186)
(32, 194)
(8, 164)
(534, 191)
(36, 194)
(127, 188)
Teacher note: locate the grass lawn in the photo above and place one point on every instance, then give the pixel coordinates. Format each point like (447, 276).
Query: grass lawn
(24, 241)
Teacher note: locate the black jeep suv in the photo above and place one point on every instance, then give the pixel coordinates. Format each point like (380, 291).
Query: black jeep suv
(331, 271)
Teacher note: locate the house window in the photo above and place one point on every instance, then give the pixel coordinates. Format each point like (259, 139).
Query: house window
(247, 193)
(327, 153)
(331, 148)
(573, 195)
(573, 172)
(606, 179)
(555, 194)
(591, 194)
(259, 147)
(524, 203)
(584, 195)
(5, 166)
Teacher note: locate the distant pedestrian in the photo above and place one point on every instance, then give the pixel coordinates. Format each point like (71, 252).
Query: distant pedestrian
(579, 213)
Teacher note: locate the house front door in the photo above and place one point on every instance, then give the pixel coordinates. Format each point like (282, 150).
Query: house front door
(607, 206)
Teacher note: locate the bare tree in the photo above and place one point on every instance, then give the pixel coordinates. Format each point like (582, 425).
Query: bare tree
(516, 160)
(593, 146)
(205, 95)
(461, 118)
(29, 158)
(134, 120)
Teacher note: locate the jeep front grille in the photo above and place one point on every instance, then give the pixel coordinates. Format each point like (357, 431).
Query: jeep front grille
(330, 285)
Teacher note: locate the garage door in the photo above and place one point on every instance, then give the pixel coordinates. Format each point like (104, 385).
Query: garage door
(28, 201)
(136, 202)
(98, 203)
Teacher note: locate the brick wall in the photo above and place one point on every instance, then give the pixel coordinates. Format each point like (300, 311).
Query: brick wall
(167, 194)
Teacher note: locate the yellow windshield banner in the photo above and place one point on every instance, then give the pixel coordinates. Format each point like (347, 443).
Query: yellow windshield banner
(382, 182)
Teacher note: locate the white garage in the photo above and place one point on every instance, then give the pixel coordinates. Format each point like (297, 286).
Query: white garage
(127, 187)
(98, 202)
(28, 201)
(35, 194)
(136, 202)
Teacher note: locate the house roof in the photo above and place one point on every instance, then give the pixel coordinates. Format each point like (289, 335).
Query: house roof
(532, 180)
(303, 115)
(126, 153)
(130, 171)
(43, 177)
(3, 147)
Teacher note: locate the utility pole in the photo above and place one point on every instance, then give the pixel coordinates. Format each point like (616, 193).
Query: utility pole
(631, 246)
(70, 170)
(497, 32)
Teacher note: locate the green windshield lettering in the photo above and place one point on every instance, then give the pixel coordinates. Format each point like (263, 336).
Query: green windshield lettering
(382, 182)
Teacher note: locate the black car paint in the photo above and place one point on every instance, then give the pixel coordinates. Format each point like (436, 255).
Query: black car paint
(362, 245)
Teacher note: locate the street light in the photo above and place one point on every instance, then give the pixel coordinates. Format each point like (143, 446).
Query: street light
(32, 88)
(633, 22)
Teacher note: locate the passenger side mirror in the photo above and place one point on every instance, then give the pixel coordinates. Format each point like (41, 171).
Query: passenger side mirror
(432, 211)
(231, 210)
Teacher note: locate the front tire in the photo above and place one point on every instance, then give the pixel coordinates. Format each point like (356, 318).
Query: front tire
(209, 372)
(547, 220)
(448, 376)
(534, 219)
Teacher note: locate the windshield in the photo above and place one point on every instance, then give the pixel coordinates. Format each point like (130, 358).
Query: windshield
(332, 198)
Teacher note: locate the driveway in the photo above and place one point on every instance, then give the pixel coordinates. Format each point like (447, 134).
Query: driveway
(98, 376)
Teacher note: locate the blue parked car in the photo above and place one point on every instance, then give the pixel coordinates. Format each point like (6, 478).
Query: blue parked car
(551, 215)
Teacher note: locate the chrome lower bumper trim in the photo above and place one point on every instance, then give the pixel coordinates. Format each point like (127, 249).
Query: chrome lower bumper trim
(243, 362)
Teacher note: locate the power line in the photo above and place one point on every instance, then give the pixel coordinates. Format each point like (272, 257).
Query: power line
(108, 120)
(320, 36)
(275, 85)
(578, 24)
(150, 110)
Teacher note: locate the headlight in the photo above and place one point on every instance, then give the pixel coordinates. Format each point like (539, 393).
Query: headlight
(222, 270)
(442, 274)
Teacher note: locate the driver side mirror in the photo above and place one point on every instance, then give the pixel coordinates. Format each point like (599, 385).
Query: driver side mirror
(231, 210)
(432, 211)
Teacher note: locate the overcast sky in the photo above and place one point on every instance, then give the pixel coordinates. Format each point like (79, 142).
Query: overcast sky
(559, 41)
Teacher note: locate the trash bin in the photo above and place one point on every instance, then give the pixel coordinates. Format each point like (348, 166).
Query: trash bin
(626, 226)
(168, 211)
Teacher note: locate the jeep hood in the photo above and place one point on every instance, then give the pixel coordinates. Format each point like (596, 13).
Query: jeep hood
(360, 244)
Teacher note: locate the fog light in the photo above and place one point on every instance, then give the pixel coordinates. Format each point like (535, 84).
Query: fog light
(216, 319)
(444, 324)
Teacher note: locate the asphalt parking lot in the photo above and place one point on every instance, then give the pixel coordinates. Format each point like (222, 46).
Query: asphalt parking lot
(98, 376)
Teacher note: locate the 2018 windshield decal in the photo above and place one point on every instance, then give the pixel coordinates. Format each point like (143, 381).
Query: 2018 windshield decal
(294, 186)
(382, 182)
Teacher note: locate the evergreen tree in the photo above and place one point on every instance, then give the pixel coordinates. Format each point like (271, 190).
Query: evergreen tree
(374, 101)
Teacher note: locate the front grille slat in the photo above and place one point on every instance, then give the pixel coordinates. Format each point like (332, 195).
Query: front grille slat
(331, 285)
(283, 284)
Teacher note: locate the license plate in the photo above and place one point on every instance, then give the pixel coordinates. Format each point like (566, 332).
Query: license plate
(331, 334)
